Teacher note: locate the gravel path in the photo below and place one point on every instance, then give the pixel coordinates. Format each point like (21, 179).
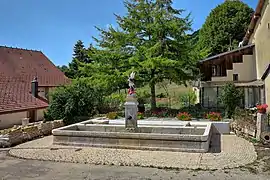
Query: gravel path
(14, 169)
(235, 152)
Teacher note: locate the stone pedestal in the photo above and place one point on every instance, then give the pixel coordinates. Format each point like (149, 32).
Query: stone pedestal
(261, 124)
(131, 110)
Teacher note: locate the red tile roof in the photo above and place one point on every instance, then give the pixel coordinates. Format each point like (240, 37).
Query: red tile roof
(15, 95)
(18, 67)
(21, 62)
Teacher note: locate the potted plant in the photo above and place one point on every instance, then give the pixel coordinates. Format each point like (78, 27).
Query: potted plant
(262, 108)
(184, 116)
(213, 116)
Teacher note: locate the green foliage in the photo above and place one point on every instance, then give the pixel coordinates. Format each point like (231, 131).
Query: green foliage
(224, 28)
(231, 98)
(140, 115)
(143, 96)
(151, 40)
(114, 102)
(161, 95)
(187, 99)
(112, 115)
(71, 102)
(80, 56)
(64, 69)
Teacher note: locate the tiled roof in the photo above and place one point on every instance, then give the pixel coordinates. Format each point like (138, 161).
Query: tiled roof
(18, 67)
(15, 95)
(29, 63)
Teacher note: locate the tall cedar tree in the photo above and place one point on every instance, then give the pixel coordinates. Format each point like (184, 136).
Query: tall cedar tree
(224, 28)
(80, 55)
(151, 40)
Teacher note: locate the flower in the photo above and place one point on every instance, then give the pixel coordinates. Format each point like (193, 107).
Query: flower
(184, 116)
(213, 116)
(262, 106)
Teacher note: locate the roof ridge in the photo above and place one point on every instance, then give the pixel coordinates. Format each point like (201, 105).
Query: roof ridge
(10, 47)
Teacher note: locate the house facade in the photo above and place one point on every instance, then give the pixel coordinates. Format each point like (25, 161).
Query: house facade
(247, 66)
(26, 79)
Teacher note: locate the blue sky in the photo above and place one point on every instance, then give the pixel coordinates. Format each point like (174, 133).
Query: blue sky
(53, 26)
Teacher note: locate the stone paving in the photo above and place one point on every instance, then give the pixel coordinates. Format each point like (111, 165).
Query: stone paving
(235, 152)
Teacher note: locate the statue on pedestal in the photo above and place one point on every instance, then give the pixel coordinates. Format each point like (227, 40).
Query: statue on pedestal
(131, 90)
(131, 105)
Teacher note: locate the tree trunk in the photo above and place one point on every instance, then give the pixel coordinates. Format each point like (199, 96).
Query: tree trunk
(153, 96)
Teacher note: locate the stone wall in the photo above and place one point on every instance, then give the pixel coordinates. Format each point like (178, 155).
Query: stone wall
(242, 129)
(18, 134)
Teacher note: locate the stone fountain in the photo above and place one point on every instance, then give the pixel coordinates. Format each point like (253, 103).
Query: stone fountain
(125, 133)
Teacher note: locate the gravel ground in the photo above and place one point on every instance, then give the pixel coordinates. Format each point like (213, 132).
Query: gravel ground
(235, 152)
(21, 169)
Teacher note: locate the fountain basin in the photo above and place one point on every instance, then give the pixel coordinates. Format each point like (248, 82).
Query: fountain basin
(172, 137)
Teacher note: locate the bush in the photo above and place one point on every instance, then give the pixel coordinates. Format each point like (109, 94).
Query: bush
(188, 98)
(231, 98)
(245, 117)
(74, 101)
(161, 95)
(140, 115)
(112, 115)
(143, 96)
(114, 102)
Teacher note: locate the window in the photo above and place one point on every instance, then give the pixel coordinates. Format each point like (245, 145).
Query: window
(216, 70)
(235, 77)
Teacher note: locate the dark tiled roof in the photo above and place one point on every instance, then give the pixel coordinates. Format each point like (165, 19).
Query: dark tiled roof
(228, 52)
(18, 67)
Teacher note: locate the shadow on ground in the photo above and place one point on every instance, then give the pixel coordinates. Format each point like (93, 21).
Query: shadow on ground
(215, 142)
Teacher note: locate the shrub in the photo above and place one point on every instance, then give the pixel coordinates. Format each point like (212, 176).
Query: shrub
(143, 96)
(140, 115)
(114, 102)
(184, 116)
(161, 95)
(213, 116)
(112, 115)
(188, 98)
(74, 101)
(231, 98)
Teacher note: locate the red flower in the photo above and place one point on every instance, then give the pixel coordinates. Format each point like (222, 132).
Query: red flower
(213, 116)
(184, 116)
(262, 106)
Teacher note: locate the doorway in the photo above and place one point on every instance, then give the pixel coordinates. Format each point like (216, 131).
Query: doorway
(32, 114)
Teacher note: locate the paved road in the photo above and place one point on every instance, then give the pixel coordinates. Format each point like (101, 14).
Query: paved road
(19, 169)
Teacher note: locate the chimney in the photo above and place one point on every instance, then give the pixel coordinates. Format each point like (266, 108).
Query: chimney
(34, 87)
